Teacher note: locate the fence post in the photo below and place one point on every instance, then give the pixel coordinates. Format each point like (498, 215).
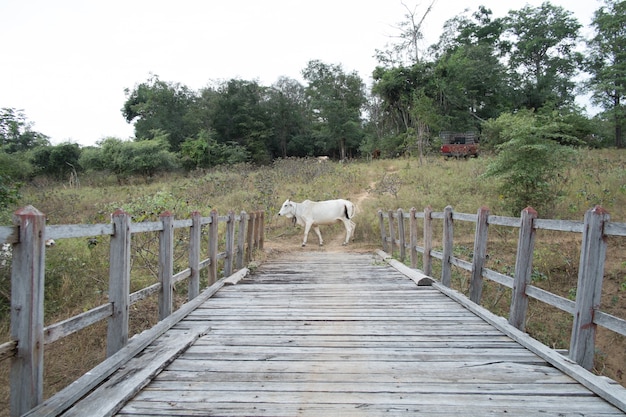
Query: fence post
(166, 264)
(413, 237)
(261, 229)
(589, 290)
(251, 220)
(27, 298)
(381, 223)
(523, 269)
(241, 239)
(428, 241)
(478, 259)
(448, 236)
(213, 236)
(392, 232)
(230, 244)
(401, 237)
(119, 282)
(195, 239)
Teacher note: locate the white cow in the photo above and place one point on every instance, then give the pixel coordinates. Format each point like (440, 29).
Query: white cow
(315, 213)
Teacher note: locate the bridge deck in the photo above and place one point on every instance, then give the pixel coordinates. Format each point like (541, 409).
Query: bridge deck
(330, 334)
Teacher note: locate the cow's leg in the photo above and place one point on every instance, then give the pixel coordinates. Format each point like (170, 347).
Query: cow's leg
(348, 224)
(319, 234)
(352, 227)
(307, 228)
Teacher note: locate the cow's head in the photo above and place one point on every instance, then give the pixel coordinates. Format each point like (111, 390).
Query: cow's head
(288, 209)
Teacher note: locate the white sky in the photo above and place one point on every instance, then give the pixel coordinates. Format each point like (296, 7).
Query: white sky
(66, 63)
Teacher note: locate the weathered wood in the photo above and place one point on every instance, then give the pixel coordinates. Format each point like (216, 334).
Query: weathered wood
(230, 243)
(70, 395)
(195, 241)
(381, 224)
(166, 265)
(136, 374)
(589, 289)
(448, 237)
(250, 239)
(480, 252)
(401, 235)
(261, 230)
(213, 236)
(413, 237)
(74, 324)
(9, 234)
(8, 350)
(523, 269)
(428, 241)
(241, 239)
(27, 307)
(119, 282)
(336, 334)
(392, 234)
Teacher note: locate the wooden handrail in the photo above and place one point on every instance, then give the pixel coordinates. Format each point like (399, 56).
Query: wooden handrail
(243, 233)
(595, 227)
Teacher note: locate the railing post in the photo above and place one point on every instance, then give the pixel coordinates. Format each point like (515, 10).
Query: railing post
(230, 244)
(213, 236)
(261, 229)
(401, 236)
(27, 298)
(241, 239)
(381, 223)
(119, 282)
(523, 269)
(413, 237)
(428, 241)
(257, 221)
(480, 252)
(195, 239)
(392, 232)
(166, 264)
(251, 221)
(589, 290)
(448, 236)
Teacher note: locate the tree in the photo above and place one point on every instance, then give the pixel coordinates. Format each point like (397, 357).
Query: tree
(205, 152)
(606, 63)
(471, 81)
(528, 159)
(241, 116)
(407, 50)
(157, 105)
(146, 157)
(336, 99)
(16, 134)
(541, 54)
(288, 112)
(57, 161)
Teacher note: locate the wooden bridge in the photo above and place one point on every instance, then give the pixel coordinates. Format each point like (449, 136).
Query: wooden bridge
(337, 334)
(324, 333)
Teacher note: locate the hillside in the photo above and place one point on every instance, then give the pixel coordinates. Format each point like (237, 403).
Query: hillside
(77, 273)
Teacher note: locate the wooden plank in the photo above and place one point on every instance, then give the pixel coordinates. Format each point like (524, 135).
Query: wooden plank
(64, 399)
(337, 334)
(27, 310)
(136, 374)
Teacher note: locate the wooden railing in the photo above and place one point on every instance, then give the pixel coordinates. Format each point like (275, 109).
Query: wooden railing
(244, 233)
(398, 237)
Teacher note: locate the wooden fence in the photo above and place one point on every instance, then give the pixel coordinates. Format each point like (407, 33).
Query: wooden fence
(244, 233)
(398, 237)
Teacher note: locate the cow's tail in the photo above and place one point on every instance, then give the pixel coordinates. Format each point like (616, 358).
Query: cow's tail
(349, 210)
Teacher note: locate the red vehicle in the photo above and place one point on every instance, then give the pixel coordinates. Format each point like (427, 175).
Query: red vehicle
(459, 145)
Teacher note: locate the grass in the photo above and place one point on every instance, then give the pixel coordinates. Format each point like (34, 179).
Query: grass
(77, 269)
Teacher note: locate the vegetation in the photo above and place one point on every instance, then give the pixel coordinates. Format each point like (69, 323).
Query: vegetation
(237, 144)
